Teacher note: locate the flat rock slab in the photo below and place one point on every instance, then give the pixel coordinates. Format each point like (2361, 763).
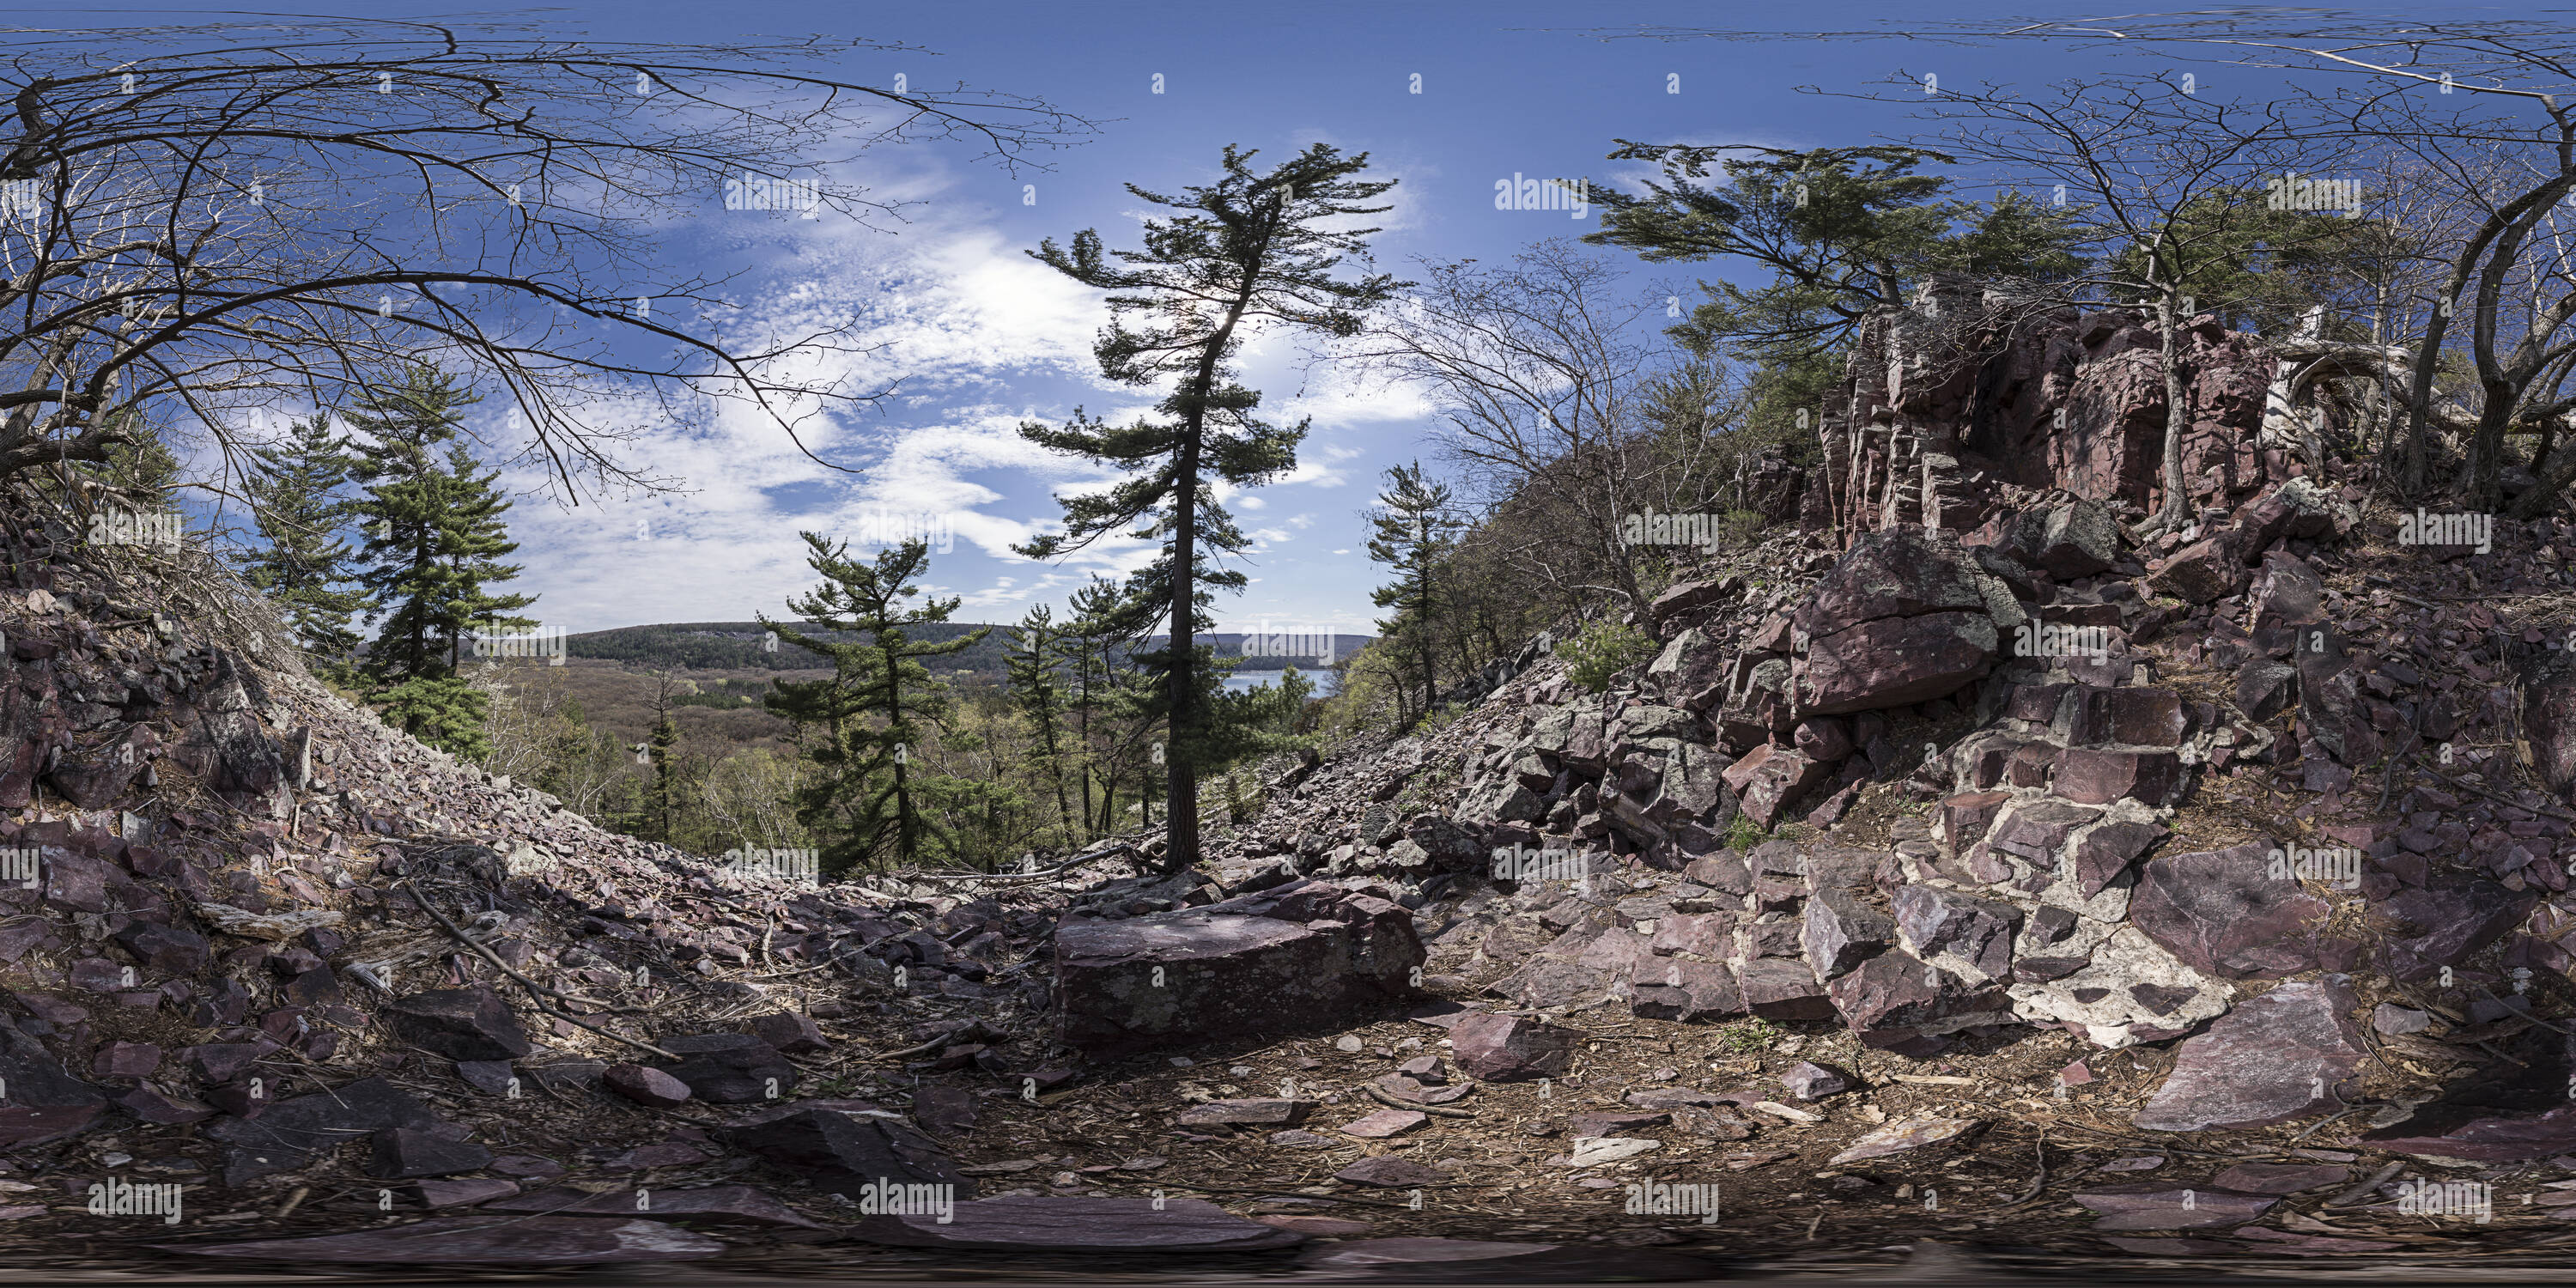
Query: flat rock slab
(1513, 1048)
(36, 1126)
(715, 1204)
(1592, 1151)
(2268, 1061)
(466, 1193)
(1910, 1133)
(1246, 1113)
(1390, 1172)
(2223, 913)
(2169, 1207)
(2280, 1178)
(1033, 1223)
(540, 1240)
(1385, 1123)
(2176, 1247)
(1482, 1261)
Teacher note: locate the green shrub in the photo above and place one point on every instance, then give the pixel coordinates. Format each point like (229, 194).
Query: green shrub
(1751, 1037)
(1744, 834)
(1603, 649)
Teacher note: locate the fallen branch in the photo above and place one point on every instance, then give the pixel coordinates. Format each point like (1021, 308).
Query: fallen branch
(536, 991)
(2368, 1186)
(1440, 1111)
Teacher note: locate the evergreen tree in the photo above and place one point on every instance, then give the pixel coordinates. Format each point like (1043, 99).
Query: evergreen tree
(1243, 251)
(874, 709)
(405, 512)
(1412, 526)
(305, 567)
(1035, 656)
(663, 794)
(1089, 638)
(473, 538)
(433, 539)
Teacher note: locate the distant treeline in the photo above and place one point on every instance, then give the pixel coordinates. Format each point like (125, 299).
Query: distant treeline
(742, 646)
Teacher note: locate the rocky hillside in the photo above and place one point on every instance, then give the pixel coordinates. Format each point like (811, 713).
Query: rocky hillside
(1964, 868)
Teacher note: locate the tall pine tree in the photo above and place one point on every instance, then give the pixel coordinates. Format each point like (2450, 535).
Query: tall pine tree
(1034, 663)
(434, 533)
(866, 721)
(1245, 251)
(305, 568)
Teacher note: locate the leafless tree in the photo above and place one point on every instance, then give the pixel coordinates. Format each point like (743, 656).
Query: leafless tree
(1546, 371)
(2163, 175)
(196, 223)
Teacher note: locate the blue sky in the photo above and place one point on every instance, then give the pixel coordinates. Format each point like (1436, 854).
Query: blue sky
(983, 338)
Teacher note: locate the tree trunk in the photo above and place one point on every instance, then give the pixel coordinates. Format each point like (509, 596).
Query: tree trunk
(2172, 514)
(1180, 777)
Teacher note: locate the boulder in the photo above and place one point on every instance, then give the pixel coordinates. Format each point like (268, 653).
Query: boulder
(2270, 1060)
(459, 1023)
(405, 1154)
(2099, 776)
(1297, 957)
(1895, 997)
(2139, 717)
(1899, 661)
(2203, 572)
(646, 1086)
(2069, 541)
(729, 1068)
(2287, 592)
(1840, 932)
(1665, 988)
(2265, 688)
(1783, 988)
(1769, 778)
(2223, 913)
(1511, 1048)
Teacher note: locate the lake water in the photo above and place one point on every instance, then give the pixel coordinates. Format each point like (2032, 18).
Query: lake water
(1326, 683)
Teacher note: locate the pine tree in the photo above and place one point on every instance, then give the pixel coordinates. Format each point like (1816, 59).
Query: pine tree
(473, 537)
(1242, 252)
(1088, 639)
(1412, 525)
(663, 797)
(306, 568)
(434, 536)
(404, 510)
(1033, 661)
(875, 708)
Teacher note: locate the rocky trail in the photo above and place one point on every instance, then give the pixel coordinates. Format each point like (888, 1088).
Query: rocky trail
(1967, 880)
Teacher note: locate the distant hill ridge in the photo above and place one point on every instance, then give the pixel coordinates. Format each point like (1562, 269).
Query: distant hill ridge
(727, 646)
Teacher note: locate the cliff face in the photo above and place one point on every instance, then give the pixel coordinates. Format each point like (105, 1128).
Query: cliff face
(1969, 402)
